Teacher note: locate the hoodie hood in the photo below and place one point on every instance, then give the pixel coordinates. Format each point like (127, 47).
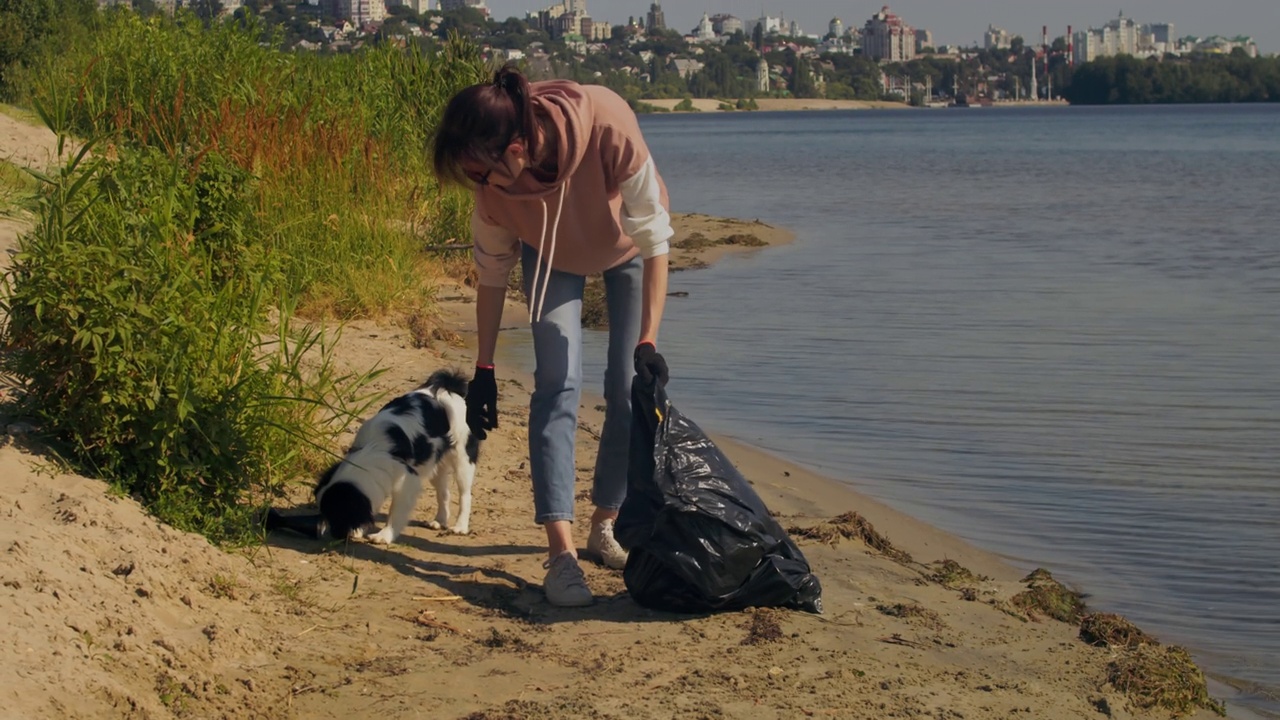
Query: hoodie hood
(568, 112)
(575, 220)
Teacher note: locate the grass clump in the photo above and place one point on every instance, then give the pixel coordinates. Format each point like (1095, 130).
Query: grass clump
(1110, 630)
(951, 574)
(1046, 596)
(1162, 677)
(851, 526)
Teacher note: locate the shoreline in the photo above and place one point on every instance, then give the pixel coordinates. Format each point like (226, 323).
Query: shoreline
(116, 615)
(792, 491)
(803, 491)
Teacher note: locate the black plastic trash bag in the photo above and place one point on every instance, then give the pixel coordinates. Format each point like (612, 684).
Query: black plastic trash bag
(700, 539)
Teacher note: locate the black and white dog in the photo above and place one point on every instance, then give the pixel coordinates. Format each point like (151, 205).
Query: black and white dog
(422, 435)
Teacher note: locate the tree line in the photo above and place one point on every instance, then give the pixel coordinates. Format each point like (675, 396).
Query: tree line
(1123, 79)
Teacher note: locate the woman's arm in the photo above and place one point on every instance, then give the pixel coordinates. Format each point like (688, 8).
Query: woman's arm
(489, 305)
(654, 297)
(646, 220)
(496, 252)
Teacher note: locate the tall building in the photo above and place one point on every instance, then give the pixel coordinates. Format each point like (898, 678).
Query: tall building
(769, 25)
(447, 5)
(705, 30)
(417, 6)
(1118, 37)
(996, 38)
(655, 20)
(725, 24)
(924, 39)
(1162, 32)
(363, 12)
(762, 75)
(886, 37)
(1160, 36)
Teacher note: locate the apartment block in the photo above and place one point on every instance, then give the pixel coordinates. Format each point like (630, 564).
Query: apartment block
(886, 37)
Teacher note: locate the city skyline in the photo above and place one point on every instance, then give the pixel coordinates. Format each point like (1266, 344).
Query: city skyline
(960, 24)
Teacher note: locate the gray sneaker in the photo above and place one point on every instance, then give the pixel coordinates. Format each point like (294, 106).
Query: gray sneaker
(602, 543)
(565, 585)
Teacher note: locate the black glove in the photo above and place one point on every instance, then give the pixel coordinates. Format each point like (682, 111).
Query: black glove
(650, 365)
(482, 401)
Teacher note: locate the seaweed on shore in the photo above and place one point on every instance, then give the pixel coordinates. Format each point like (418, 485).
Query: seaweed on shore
(1162, 677)
(1046, 596)
(852, 526)
(742, 240)
(1111, 630)
(912, 612)
(696, 241)
(951, 574)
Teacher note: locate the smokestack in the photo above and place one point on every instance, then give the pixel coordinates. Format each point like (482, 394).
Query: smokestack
(1044, 40)
(1071, 47)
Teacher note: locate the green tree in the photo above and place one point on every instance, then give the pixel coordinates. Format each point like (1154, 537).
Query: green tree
(28, 26)
(801, 83)
(1127, 80)
(465, 21)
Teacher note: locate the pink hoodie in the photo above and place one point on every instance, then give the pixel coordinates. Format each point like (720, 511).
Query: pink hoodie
(606, 205)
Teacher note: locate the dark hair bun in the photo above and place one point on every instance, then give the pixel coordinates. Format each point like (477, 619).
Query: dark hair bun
(508, 78)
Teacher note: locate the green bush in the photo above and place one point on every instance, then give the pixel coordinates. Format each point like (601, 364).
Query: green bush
(138, 323)
(685, 105)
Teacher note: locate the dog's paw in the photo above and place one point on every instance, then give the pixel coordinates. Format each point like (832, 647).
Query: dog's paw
(460, 530)
(385, 536)
(435, 524)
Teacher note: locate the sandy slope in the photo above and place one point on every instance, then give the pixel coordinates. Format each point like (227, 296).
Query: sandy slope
(110, 614)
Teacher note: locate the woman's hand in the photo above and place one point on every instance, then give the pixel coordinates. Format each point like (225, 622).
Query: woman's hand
(482, 401)
(650, 365)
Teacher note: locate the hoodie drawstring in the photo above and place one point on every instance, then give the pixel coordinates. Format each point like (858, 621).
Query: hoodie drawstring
(536, 308)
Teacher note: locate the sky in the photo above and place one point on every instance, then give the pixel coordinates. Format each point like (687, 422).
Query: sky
(960, 22)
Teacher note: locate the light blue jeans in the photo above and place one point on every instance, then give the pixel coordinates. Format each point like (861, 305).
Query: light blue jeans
(553, 407)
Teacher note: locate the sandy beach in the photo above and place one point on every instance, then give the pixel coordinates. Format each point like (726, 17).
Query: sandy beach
(112, 614)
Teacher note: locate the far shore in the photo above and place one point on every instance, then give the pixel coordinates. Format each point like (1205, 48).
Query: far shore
(713, 105)
(783, 104)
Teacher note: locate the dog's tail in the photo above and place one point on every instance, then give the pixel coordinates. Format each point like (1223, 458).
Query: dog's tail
(450, 381)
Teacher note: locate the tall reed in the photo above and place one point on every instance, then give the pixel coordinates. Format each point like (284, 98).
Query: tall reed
(338, 144)
(228, 189)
